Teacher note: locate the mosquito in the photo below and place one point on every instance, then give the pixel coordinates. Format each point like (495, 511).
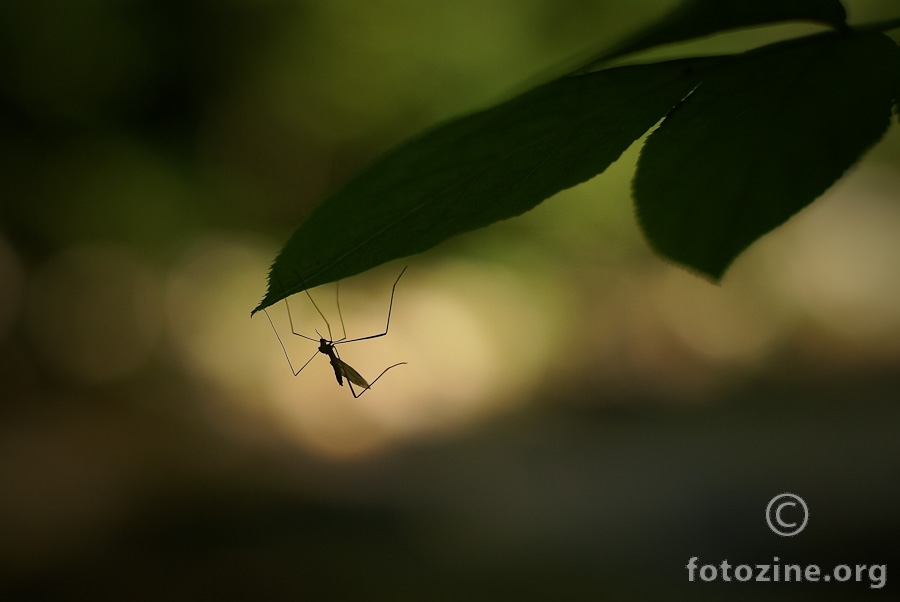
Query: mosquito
(328, 346)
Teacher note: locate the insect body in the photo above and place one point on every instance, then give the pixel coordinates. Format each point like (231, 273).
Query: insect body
(342, 368)
(328, 346)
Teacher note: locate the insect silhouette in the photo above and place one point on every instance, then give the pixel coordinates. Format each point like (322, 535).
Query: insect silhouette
(328, 346)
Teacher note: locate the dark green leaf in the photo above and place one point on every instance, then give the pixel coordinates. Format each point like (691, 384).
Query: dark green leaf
(698, 18)
(479, 169)
(758, 140)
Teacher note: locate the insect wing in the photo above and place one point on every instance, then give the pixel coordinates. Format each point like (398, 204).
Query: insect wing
(352, 375)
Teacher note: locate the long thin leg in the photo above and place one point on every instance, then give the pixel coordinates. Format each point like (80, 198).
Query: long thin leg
(353, 391)
(320, 313)
(317, 309)
(287, 357)
(387, 325)
(290, 318)
(350, 384)
(337, 297)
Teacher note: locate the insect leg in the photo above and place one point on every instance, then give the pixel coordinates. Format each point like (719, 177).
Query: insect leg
(388, 324)
(285, 350)
(290, 318)
(374, 381)
(318, 310)
(337, 298)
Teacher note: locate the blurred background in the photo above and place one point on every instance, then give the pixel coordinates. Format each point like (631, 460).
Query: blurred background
(577, 417)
